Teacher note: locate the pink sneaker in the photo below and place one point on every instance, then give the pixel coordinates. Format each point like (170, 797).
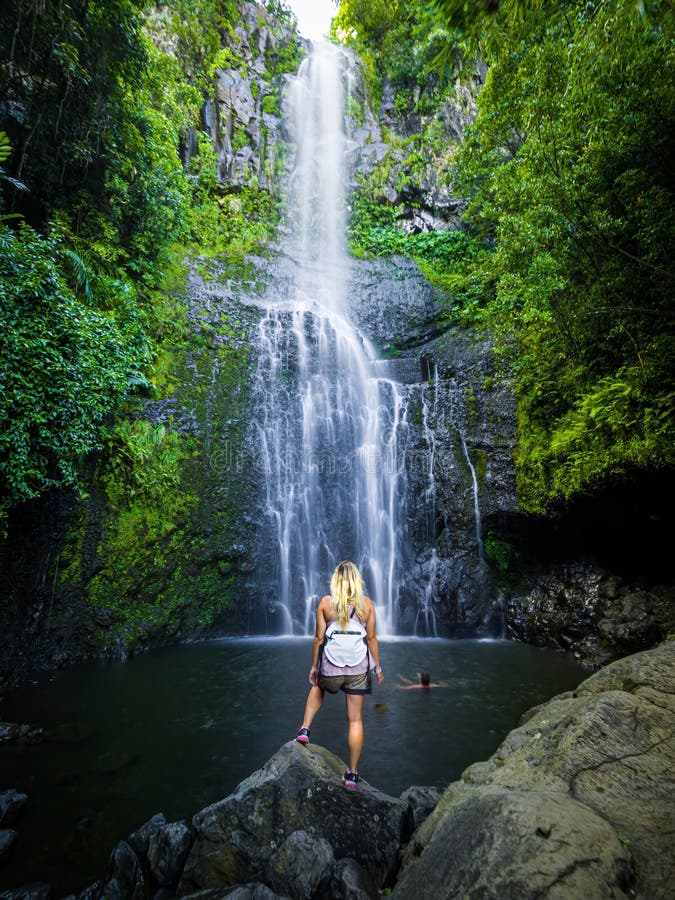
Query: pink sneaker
(351, 779)
(303, 736)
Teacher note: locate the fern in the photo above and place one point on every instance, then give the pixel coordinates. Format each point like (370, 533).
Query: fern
(79, 272)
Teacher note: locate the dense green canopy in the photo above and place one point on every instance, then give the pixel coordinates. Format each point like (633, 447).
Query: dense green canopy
(567, 174)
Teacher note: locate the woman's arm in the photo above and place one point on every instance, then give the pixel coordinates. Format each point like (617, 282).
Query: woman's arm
(318, 639)
(373, 646)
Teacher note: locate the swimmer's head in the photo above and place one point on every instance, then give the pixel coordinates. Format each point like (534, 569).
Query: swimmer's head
(425, 678)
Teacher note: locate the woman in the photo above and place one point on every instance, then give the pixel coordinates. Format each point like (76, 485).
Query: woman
(345, 646)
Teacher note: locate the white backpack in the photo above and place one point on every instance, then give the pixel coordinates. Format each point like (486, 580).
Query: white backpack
(346, 647)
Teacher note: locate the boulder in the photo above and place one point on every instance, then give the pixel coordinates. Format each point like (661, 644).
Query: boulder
(139, 841)
(125, 880)
(11, 804)
(240, 892)
(168, 847)
(300, 865)
(420, 803)
(495, 842)
(7, 838)
(36, 890)
(576, 802)
(350, 881)
(298, 789)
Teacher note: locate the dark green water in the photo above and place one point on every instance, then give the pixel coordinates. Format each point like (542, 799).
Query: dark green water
(179, 728)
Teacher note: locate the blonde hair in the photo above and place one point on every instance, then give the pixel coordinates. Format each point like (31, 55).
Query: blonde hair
(346, 589)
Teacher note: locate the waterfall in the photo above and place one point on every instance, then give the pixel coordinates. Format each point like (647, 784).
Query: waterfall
(329, 431)
(472, 471)
(425, 620)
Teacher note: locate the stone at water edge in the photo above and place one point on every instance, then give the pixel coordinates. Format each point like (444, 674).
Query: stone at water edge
(168, 848)
(298, 789)
(7, 838)
(576, 802)
(11, 804)
(125, 880)
(36, 890)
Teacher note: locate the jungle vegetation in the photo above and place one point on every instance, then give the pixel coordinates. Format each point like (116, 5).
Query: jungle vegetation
(567, 253)
(100, 202)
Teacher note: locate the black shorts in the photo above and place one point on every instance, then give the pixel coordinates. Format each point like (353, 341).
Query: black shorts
(349, 684)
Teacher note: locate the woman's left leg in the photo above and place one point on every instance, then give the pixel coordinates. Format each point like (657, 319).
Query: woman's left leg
(354, 729)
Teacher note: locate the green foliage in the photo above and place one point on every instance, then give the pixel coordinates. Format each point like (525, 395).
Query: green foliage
(567, 171)
(502, 555)
(456, 262)
(5, 153)
(64, 365)
(103, 96)
(392, 47)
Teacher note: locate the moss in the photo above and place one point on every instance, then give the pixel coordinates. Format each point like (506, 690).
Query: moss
(149, 547)
(480, 461)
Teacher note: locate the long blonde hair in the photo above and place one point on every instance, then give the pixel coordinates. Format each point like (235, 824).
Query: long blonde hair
(346, 589)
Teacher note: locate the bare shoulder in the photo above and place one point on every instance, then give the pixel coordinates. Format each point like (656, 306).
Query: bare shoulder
(325, 605)
(368, 604)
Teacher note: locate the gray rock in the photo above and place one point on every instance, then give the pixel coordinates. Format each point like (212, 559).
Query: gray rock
(578, 607)
(92, 891)
(240, 892)
(299, 789)
(7, 838)
(11, 804)
(36, 890)
(508, 843)
(234, 93)
(125, 880)
(300, 865)
(168, 847)
(350, 881)
(576, 802)
(9, 731)
(15, 731)
(420, 802)
(139, 841)
(252, 892)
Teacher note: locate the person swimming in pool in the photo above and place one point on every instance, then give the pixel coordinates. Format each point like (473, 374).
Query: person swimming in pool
(425, 682)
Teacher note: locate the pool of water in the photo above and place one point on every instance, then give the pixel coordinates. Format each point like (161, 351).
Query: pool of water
(178, 729)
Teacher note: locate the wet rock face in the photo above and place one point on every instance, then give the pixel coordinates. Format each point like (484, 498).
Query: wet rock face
(575, 802)
(598, 616)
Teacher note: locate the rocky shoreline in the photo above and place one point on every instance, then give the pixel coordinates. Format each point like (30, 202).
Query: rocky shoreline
(576, 802)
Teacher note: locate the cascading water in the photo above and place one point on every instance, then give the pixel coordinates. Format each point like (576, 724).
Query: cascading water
(472, 471)
(330, 432)
(425, 620)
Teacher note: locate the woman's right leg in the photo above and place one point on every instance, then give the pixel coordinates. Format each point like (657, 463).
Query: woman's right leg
(313, 705)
